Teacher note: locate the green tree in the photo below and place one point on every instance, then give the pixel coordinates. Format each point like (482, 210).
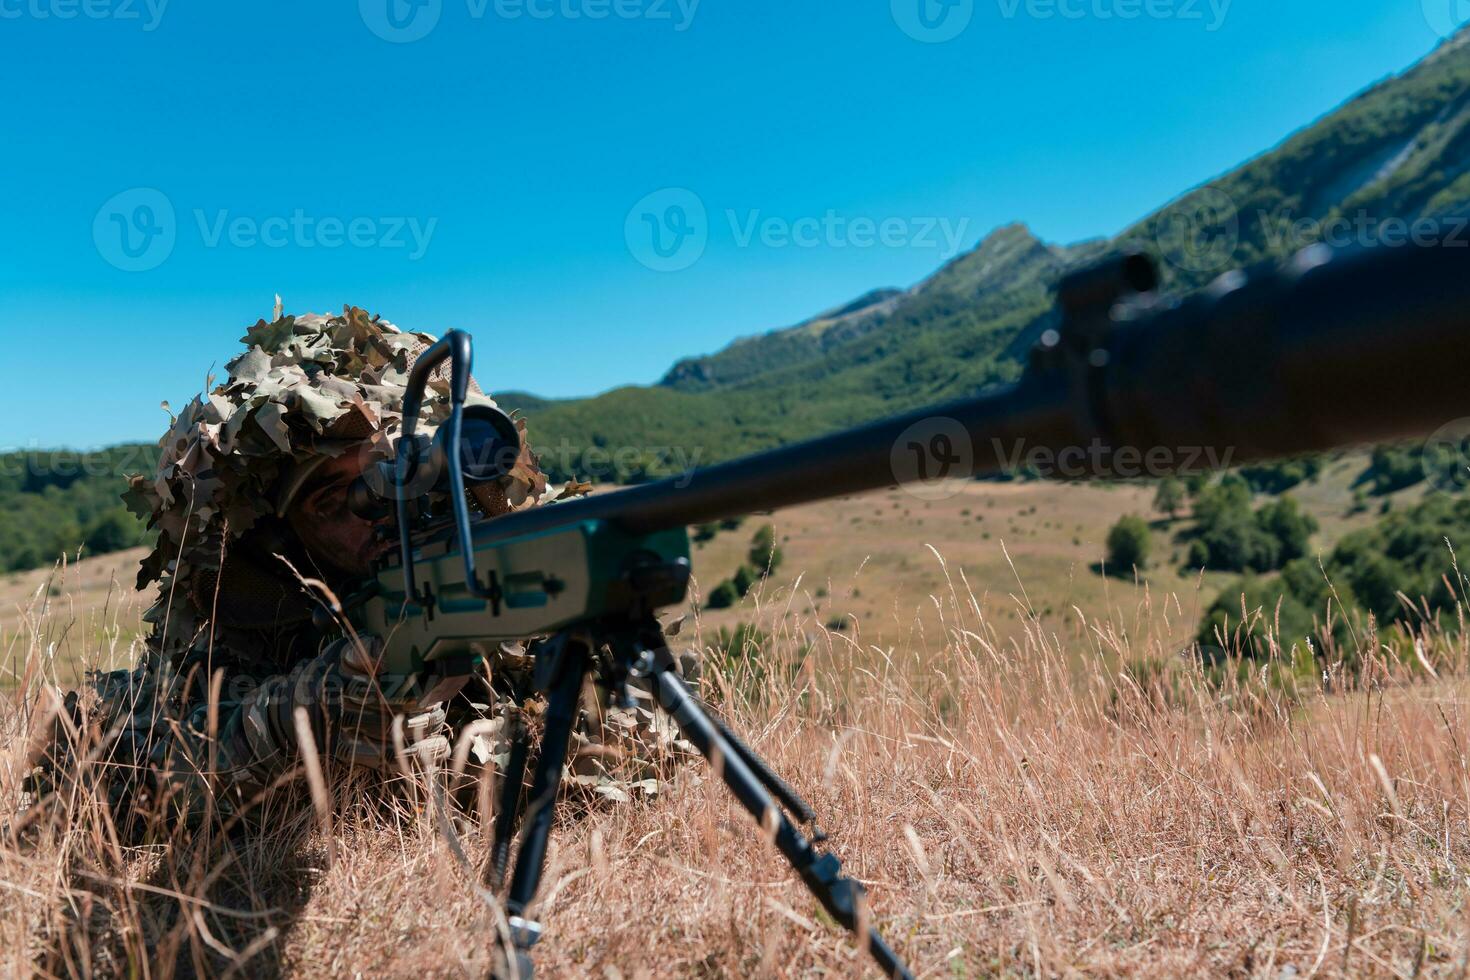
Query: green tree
(764, 555)
(723, 596)
(114, 530)
(1128, 544)
(1275, 613)
(745, 578)
(1170, 497)
(1285, 521)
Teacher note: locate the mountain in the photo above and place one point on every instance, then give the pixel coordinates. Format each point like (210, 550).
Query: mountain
(1399, 150)
(884, 352)
(750, 356)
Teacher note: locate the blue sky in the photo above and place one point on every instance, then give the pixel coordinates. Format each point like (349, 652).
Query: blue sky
(169, 165)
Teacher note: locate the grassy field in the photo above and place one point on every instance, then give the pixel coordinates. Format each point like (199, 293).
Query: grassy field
(1015, 804)
(1027, 549)
(76, 613)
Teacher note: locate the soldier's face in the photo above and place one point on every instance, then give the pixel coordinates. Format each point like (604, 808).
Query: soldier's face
(332, 534)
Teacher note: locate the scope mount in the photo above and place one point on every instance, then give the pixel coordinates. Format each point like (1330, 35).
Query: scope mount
(455, 346)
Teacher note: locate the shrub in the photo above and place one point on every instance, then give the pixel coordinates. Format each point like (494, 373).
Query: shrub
(723, 596)
(1229, 537)
(745, 578)
(113, 530)
(764, 554)
(1170, 497)
(1128, 544)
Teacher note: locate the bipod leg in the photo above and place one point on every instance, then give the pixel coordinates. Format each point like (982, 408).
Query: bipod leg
(512, 792)
(841, 896)
(778, 787)
(564, 673)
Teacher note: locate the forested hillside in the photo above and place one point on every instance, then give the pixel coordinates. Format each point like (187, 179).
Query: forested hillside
(58, 502)
(1400, 150)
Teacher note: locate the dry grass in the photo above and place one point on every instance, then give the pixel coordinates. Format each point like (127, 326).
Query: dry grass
(1014, 804)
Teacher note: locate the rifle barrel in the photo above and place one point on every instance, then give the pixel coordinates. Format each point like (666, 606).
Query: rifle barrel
(1327, 349)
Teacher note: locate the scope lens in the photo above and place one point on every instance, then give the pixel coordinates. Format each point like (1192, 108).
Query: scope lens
(489, 444)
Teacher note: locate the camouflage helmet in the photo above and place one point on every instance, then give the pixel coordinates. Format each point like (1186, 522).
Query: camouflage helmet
(307, 389)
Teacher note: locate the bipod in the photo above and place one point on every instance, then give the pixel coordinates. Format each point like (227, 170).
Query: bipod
(643, 657)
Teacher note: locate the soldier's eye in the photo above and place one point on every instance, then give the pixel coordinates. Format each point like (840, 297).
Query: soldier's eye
(329, 497)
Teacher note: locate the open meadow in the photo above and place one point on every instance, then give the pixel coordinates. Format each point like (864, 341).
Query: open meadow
(955, 711)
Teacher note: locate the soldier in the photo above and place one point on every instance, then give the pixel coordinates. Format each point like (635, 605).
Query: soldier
(250, 504)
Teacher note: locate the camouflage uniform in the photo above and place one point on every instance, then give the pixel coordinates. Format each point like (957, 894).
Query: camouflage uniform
(207, 720)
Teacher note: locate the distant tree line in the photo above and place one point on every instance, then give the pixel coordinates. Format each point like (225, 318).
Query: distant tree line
(55, 503)
(1228, 533)
(1404, 568)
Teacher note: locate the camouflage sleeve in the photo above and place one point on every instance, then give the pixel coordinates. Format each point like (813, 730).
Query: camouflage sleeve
(255, 741)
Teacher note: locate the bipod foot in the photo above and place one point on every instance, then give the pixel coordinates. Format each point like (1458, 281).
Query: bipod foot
(512, 964)
(757, 788)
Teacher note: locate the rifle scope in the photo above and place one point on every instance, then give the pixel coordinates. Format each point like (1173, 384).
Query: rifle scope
(488, 448)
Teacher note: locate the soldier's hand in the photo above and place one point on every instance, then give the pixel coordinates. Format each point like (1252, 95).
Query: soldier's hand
(367, 703)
